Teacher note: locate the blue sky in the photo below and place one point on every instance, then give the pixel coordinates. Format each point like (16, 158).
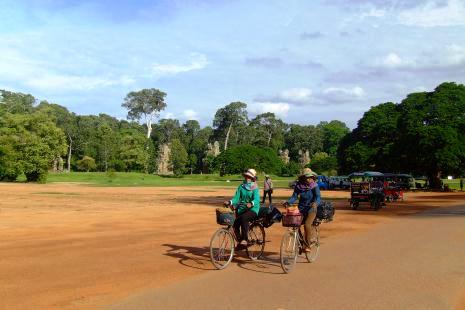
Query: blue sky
(307, 61)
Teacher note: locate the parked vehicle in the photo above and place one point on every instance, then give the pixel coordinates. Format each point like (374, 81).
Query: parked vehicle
(323, 182)
(367, 187)
(341, 182)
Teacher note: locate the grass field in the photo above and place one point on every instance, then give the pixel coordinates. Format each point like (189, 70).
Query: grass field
(141, 179)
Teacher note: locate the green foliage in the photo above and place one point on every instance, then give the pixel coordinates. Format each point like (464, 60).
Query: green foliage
(267, 131)
(238, 158)
(322, 163)
(303, 138)
(86, 164)
(29, 144)
(333, 132)
(229, 122)
(178, 157)
(16, 103)
(132, 150)
(424, 134)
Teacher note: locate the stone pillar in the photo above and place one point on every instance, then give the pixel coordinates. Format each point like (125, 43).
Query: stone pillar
(163, 161)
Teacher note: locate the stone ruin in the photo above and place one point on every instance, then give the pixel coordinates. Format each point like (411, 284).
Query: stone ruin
(284, 155)
(214, 149)
(58, 164)
(163, 161)
(304, 158)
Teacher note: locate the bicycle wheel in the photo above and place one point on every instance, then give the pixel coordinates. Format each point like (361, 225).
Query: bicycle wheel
(289, 250)
(314, 246)
(221, 248)
(257, 239)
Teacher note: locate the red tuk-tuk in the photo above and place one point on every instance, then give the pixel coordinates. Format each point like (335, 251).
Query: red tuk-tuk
(366, 187)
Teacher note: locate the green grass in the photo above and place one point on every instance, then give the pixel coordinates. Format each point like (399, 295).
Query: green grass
(141, 179)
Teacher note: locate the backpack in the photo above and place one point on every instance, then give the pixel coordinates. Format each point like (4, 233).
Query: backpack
(325, 211)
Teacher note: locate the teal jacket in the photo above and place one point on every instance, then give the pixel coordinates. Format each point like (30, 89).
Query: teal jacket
(247, 192)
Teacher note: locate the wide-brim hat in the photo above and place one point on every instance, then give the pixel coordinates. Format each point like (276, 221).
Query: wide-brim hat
(250, 173)
(309, 173)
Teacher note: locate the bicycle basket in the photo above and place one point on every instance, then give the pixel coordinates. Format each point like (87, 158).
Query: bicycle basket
(325, 211)
(292, 220)
(225, 216)
(273, 216)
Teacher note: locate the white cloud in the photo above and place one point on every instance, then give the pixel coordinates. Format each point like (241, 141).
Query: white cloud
(190, 114)
(392, 60)
(167, 115)
(340, 94)
(197, 62)
(295, 96)
(432, 15)
(281, 109)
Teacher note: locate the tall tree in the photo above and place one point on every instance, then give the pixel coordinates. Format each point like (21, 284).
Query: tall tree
(305, 138)
(268, 130)
(16, 103)
(146, 104)
(178, 157)
(226, 118)
(333, 132)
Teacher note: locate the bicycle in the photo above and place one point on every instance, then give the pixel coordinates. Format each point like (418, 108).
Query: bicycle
(294, 244)
(224, 241)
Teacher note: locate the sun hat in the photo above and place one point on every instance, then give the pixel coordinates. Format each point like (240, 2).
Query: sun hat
(307, 172)
(250, 173)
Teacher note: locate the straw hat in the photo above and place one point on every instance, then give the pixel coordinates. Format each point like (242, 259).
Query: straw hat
(250, 173)
(307, 172)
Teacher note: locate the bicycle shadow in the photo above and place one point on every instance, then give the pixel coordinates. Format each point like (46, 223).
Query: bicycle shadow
(189, 256)
(199, 258)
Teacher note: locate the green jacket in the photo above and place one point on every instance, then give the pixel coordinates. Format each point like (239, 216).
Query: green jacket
(247, 193)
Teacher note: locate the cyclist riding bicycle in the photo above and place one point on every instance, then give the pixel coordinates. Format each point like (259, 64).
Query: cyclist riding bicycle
(246, 202)
(307, 191)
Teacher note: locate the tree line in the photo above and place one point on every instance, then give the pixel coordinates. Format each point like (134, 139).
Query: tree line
(424, 135)
(39, 136)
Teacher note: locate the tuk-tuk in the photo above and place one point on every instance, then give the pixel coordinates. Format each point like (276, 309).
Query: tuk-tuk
(368, 187)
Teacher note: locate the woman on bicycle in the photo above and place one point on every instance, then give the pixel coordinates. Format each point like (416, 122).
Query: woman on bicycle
(246, 202)
(307, 191)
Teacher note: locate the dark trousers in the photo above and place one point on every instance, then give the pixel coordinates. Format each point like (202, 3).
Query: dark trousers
(269, 196)
(243, 222)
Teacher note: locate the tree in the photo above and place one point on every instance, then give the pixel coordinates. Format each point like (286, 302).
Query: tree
(268, 130)
(178, 157)
(299, 137)
(64, 120)
(146, 104)
(16, 103)
(333, 132)
(226, 118)
(86, 164)
(133, 150)
(106, 145)
(238, 158)
(29, 144)
(323, 163)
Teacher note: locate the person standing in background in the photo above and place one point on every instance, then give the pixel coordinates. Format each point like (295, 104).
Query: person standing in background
(461, 184)
(267, 189)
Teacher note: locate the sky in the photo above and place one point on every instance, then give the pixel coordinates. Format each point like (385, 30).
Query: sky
(306, 61)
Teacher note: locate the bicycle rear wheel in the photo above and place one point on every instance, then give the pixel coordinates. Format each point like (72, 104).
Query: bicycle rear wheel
(257, 240)
(289, 251)
(221, 248)
(314, 246)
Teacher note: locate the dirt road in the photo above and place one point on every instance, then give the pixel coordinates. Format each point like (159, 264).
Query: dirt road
(74, 246)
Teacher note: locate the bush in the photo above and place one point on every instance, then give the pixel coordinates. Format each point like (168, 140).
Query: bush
(236, 159)
(87, 164)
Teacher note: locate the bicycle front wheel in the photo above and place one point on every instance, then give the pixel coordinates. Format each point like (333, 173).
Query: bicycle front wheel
(221, 248)
(314, 245)
(289, 251)
(257, 241)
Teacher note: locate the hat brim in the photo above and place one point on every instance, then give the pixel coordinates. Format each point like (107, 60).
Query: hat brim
(246, 174)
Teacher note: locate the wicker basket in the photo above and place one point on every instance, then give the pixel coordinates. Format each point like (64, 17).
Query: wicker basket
(292, 220)
(224, 216)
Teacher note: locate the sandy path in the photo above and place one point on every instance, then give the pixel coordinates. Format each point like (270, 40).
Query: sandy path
(415, 263)
(78, 246)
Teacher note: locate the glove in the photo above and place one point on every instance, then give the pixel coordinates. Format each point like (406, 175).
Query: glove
(249, 205)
